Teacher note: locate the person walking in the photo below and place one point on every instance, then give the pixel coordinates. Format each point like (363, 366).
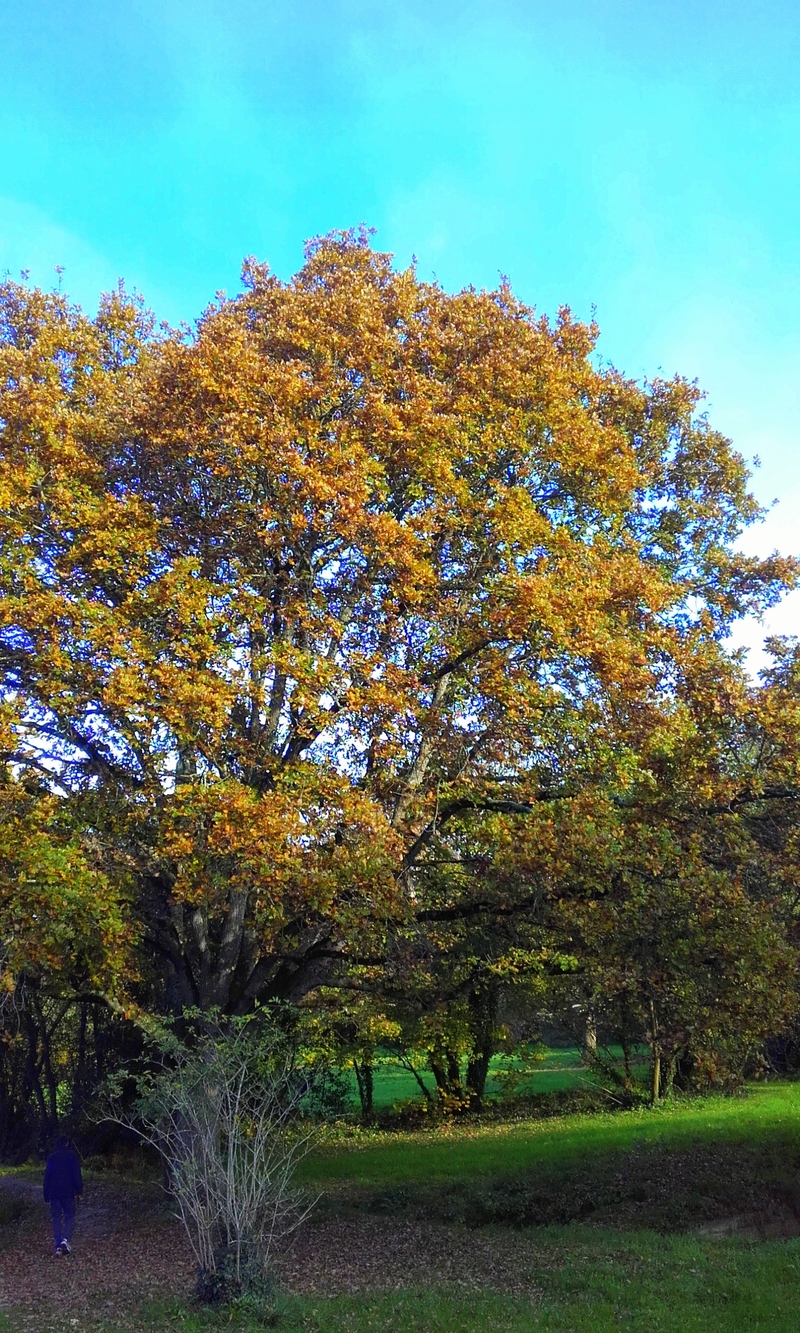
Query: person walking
(63, 1184)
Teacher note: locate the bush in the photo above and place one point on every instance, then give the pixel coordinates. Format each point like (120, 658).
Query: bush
(224, 1116)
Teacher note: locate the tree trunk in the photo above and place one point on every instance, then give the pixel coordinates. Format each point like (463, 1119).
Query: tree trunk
(438, 1071)
(483, 1023)
(82, 1082)
(589, 1053)
(444, 1066)
(669, 1076)
(477, 1071)
(49, 1074)
(406, 1062)
(363, 1072)
(655, 1079)
(626, 1061)
(33, 1082)
(454, 1074)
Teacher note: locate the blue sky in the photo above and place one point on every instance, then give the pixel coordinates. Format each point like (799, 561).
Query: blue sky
(642, 158)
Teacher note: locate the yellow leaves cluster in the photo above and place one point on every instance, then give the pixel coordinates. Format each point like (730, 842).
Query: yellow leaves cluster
(313, 848)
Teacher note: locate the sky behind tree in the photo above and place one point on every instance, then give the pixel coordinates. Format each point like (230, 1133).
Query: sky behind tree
(639, 159)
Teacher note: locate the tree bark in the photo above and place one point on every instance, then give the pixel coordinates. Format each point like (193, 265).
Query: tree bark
(364, 1078)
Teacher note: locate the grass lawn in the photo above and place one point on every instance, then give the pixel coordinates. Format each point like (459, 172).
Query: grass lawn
(769, 1113)
(670, 1220)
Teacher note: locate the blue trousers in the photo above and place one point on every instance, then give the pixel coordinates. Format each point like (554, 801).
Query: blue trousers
(62, 1214)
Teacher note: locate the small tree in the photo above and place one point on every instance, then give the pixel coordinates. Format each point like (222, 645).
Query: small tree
(224, 1115)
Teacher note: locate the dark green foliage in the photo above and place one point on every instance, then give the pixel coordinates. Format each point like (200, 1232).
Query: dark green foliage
(329, 1096)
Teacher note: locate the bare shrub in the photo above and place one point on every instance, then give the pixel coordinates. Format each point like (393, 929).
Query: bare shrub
(224, 1114)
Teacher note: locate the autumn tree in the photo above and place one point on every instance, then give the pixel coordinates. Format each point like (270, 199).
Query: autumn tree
(353, 566)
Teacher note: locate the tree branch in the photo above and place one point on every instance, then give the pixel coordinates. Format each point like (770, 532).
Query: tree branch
(449, 811)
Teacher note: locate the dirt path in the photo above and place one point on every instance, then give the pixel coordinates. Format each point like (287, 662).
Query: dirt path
(126, 1248)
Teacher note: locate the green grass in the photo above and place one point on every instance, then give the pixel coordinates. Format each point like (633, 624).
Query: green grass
(453, 1151)
(642, 1285)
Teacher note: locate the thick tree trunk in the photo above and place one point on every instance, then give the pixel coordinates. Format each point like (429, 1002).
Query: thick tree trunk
(477, 1071)
(668, 1079)
(439, 1074)
(33, 1083)
(446, 1070)
(48, 1072)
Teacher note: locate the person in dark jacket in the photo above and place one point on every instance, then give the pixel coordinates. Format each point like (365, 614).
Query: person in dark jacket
(63, 1184)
